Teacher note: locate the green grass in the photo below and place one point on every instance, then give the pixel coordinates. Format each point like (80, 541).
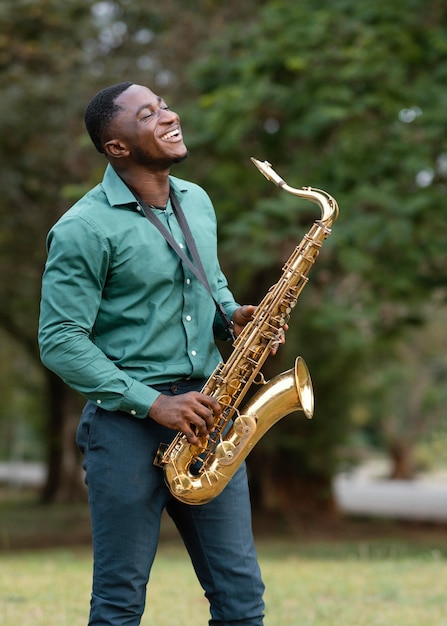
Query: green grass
(343, 573)
(352, 583)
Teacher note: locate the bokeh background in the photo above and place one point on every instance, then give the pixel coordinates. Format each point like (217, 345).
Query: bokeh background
(350, 97)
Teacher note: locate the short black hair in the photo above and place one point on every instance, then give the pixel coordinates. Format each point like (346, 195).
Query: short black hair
(100, 112)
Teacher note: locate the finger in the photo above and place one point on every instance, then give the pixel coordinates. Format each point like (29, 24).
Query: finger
(195, 428)
(209, 402)
(213, 405)
(211, 418)
(280, 339)
(248, 311)
(191, 436)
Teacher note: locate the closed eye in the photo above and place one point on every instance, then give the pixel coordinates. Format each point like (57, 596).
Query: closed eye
(150, 111)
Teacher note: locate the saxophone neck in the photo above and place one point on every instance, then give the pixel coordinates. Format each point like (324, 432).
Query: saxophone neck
(327, 204)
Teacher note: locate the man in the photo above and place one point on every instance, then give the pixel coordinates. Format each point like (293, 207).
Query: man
(128, 325)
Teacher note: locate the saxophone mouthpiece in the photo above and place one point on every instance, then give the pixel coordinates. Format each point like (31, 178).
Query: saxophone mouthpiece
(265, 168)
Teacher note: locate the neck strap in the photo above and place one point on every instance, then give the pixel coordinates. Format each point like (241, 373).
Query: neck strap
(196, 267)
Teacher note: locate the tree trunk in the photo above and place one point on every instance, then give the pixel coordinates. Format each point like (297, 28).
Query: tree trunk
(64, 482)
(401, 454)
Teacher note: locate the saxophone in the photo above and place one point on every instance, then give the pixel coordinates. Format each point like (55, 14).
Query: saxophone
(195, 474)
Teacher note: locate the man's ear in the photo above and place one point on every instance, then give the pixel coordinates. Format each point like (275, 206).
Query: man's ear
(116, 149)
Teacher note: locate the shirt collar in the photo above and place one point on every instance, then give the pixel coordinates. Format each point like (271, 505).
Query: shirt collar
(118, 193)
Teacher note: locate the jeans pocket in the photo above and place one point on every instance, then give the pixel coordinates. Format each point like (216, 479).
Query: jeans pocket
(84, 427)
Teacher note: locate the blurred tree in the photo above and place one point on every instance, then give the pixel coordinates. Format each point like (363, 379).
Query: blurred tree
(53, 57)
(407, 405)
(40, 56)
(347, 97)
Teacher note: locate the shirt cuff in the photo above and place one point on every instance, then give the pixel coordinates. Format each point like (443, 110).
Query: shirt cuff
(139, 399)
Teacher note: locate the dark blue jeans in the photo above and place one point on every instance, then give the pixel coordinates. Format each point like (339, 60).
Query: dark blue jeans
(127, 496)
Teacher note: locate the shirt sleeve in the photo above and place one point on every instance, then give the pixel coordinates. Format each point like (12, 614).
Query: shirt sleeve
(72, 285)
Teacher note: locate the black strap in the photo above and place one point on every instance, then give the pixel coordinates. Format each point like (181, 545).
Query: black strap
(196, 267)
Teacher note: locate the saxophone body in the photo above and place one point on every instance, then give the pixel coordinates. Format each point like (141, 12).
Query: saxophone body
(197, 474)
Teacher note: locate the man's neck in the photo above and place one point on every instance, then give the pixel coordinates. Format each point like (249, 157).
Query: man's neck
(152, 187)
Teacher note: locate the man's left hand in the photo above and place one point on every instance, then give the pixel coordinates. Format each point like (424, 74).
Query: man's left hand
(244, 314)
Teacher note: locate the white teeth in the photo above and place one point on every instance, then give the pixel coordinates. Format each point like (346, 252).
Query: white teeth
(173, 133)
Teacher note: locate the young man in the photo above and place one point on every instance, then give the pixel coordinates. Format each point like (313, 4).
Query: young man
(128, 325)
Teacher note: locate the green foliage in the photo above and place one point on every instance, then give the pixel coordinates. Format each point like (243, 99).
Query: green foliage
(406, 396)
(349, 97)
(40, 53)
(21, 411)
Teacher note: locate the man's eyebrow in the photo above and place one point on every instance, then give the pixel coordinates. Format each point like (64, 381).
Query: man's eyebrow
(146, 106)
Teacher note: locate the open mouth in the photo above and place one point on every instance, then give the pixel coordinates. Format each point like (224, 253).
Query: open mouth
(173, 134)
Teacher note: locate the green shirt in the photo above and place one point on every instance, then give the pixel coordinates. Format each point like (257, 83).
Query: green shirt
(119, 310)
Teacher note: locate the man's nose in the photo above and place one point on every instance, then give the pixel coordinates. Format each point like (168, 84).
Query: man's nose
(168, 115)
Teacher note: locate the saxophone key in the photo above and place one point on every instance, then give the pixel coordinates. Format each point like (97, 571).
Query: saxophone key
(225, 452)
(182, 485)
(245, 425)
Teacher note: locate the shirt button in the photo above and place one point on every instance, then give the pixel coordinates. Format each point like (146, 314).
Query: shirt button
(98, 401)
(180, 246)
(133, 412)
(188, 281)
(194, 353)
(188, 318)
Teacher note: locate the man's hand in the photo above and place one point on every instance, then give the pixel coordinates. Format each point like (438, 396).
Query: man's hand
(192, 413)
(244, 314)
(241, 317)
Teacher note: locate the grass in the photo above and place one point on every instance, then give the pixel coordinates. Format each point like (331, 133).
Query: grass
(355, 573)
(326, 584)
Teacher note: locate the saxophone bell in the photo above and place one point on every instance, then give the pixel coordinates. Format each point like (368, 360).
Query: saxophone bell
(286, 393)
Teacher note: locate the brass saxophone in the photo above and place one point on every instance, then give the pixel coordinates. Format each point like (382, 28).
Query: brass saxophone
(197, 474)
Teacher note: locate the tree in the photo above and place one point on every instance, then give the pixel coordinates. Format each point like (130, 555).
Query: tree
(39, 57)
(406, 405)
(344, 96)
(53, 57)
(350, 98)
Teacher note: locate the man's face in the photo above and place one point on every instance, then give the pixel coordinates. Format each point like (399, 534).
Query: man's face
(149, 128)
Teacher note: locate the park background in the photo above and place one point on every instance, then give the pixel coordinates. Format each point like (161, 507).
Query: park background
(346, 96)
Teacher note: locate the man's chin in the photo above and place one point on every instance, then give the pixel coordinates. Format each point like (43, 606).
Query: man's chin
(144, 158)
(181, 158)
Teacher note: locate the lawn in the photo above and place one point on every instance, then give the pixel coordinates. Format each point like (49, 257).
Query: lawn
(358, 582)
(342, 573)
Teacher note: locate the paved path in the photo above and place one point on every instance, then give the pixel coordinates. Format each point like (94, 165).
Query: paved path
(424, 499)
(22, 474)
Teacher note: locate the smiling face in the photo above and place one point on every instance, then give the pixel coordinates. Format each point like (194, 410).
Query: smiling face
(145, 130)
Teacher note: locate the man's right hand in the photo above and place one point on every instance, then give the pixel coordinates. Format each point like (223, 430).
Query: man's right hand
(191, 413)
